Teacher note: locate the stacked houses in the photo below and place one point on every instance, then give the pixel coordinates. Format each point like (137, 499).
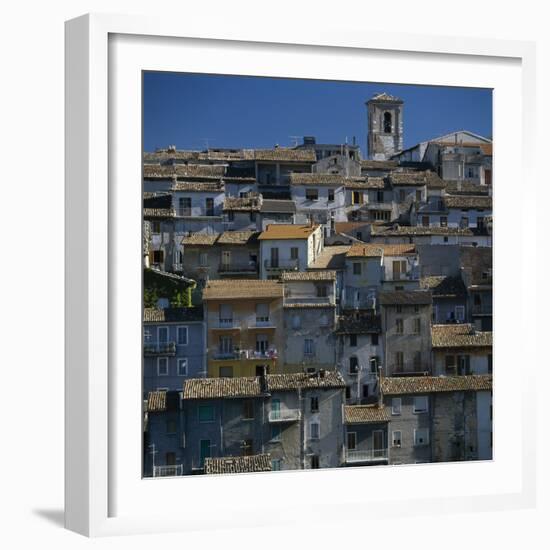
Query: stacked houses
(305, 308)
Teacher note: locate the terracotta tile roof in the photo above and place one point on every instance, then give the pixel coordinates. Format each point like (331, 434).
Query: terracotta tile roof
(308, 276)
(405, 298)
(200, 239)
(172, 314)
(460, 336)
(242, 204)
(408, 178)
(281, 154)
(349, 227)
(198, 186)
(395, 230)
(365, 414)
(156, 401)
(287, 231)
(285, 382)
(379, 164)
(369, 250)
(460, 201)
(159, 212)
(278, 206)
(465, 188)
(214, 388)
(444, 286)
(319, 179)
(367, 183)
(238, 237)
(237, 464)
(386, 98)
(435, 384)
(332, 257)
(486, 148)
(359, 323)
(185, 170)
(232, 289)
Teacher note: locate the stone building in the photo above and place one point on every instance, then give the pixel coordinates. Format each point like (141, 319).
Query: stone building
(309, 320)
(385, 126)
(439, 419)
(449, 298)
(406, 318)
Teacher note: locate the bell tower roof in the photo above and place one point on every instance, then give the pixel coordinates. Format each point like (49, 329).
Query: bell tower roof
(384, 98)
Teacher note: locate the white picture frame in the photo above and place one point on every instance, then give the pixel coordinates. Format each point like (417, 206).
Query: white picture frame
(104, 498)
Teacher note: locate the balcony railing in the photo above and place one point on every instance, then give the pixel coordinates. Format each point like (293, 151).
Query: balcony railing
(411, 275)
(285, 415)
(226, 323)
(168, 471)
(294, 299)
(262, 322)
(409, 369)
(159, 348)
(177, 267)
(282, 264)
(234, 267)
(245, 354)
(370, 455)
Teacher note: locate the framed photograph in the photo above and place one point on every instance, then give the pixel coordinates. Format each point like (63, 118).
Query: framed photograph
(281, 255)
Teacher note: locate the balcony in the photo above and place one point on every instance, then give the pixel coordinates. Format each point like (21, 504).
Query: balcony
(282, 265)
(411, 275)
(370, 455)
(177, 267)
(294, 299)
(151, 349)
(237, 354)
(237, 268)
(409, 369)
(168, 471)
(261, 322)
(285, 415)
(222, 324)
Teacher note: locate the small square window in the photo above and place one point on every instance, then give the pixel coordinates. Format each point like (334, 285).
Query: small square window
(374, 339)
(353, 340)
(396, 406)
(206, 413)
(420, 404)
(275, 432)
(181, 336)
(421, 437)
(182, 367)
(162, 366)
(356, 268)
(248, 409)
(314, 430)
(396, 438)
(314, 404)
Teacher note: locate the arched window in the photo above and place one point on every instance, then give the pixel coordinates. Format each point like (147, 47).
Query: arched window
(387, 123)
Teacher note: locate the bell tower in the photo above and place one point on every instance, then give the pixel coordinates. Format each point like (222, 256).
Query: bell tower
(385, 126)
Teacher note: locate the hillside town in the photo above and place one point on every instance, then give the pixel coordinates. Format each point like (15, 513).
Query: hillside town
(306, 307)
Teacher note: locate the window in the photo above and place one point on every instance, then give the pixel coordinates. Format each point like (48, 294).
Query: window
(314, 429)
(294, 253)
(262, 343)
(262, 313)
(158, 256)
(226, 372)
(348, 392)
(401, 195)
(352, 441)
(322, 291)
(181, 336)
(450, 365)
(162, 366)
(182, 367)
(226, 345)
(155, 227)
(231, 216)
(314, 402)
(360, 235)
(399, 309)
(170, 458)
(399, 361)
(421, 437)
(426, 221)
(205, 450)
(331, 195)
(420, 404)
(275, 432)
(296, 322)
(356, 268)
(209, 207)
(443, 221)
(315, 462)
(459, 313)
(353, 340)
(379, 196)
(387, 123)
(206, 413)
(374, 339)
(353, 365)
(203, 259)
(464, 222)
(396, 438)
(312, 194)
(171, 427)
(184, 206)
(276, 465)
(323, 321)
(418, 195)
(247, 448)
(416, 308)
(396, 406)
(308, 347)
(399, 326)
(252, 216)
(374, 361)
(365, 391)
(417, 325)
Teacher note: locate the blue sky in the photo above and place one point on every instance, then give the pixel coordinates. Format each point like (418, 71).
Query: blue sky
(193, 110)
